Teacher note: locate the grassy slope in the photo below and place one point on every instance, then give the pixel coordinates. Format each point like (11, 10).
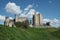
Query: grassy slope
(7, 33)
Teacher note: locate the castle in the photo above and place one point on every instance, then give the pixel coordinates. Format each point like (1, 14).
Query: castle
(37, 20)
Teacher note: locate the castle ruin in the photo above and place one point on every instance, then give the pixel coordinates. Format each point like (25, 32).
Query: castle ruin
(10, 23)
(37, 20)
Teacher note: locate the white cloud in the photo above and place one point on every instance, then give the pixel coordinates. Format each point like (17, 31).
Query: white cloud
(46, 20)
(53, 22)
(25, 11)
(10, 18)
(56, 21)
(28, 7)
(2, 18)
(37, 12)
(50, 1)
(22, 15)
(30, 13)
(12, 8)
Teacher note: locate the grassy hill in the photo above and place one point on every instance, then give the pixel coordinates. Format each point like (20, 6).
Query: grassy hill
(7, 33)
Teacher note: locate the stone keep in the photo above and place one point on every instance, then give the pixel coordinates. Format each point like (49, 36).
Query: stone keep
(37, 20)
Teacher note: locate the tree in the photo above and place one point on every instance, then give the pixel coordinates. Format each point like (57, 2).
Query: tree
(48, 23)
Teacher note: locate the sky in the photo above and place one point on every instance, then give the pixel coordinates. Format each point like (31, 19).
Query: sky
(50, 9)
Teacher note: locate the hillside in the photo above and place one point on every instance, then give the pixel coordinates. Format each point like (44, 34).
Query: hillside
(7, 33)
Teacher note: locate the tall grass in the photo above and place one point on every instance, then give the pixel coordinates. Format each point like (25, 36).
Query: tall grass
(11, 33)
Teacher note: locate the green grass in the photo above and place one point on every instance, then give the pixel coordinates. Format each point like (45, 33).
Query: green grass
(8, 33)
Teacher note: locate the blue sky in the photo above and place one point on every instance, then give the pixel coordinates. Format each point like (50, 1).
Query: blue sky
(50, 9)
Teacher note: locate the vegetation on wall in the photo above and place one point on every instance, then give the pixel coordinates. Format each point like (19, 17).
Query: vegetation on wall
(22, 24)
